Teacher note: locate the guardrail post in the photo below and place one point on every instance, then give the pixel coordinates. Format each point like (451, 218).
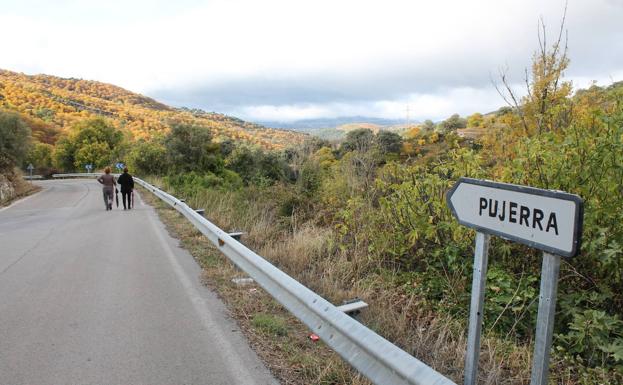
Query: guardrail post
(476, 309)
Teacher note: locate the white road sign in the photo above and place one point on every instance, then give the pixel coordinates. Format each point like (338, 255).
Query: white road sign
(543, 219)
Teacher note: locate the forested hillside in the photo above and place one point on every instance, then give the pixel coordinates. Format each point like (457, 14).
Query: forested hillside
(52, 105)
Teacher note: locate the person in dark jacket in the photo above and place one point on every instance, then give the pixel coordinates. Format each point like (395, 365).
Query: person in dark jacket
(127, 185)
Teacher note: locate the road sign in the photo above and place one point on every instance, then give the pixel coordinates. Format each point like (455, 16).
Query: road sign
(543, 219)
(89, 167)
(120, 165)
(30, 167)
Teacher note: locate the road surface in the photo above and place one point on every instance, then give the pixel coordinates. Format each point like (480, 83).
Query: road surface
(89, 296)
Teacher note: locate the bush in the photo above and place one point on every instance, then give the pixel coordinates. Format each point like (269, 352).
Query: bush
(14, 140)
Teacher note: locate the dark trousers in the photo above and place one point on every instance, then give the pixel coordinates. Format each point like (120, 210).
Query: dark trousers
(126, 195)
(108, 191)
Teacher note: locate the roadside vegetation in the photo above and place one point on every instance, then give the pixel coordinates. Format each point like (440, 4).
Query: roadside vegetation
(367, 218)
(14, 147)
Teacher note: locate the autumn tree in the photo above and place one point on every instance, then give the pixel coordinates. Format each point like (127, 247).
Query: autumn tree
(475, 120)
(546, 106)
(89, 141)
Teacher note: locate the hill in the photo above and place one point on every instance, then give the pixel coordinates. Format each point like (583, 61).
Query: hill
(51, 104)
(336, 128)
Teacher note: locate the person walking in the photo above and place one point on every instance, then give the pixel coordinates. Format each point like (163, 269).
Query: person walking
(127, 185)
(109, 184)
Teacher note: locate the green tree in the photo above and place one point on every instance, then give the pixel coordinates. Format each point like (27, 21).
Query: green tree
(63, 156)
(95, 153)
(360, 139)
(148, 158)
(190, 148)
(453, 123)
(428, 125)
(96, 130)
(40, 155)
(389, 142)
(90, 141)
(14, 140)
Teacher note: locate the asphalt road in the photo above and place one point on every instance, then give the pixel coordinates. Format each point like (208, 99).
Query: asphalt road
(95, 297)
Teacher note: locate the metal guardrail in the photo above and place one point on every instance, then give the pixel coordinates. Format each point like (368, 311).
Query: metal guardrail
(80, 175)
(372, 355)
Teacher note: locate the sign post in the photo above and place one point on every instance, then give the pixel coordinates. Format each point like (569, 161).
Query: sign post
(30, 168)
(543, 219)
(89, 167)
(479, 283)
(545, 319)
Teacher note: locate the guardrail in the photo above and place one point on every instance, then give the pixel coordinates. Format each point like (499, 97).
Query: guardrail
(80, 175)
(372, 355)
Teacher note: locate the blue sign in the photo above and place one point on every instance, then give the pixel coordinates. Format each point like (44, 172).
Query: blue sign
(120, 165)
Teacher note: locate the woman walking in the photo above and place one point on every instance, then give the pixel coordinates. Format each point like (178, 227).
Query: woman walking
(109, 183)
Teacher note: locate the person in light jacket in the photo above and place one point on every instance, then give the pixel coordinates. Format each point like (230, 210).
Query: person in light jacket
(127, 185)
(109, 183)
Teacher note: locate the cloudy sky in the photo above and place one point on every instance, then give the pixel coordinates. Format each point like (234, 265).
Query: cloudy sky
(295, 59)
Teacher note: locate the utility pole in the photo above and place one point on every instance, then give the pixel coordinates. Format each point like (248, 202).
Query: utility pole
(407, 110)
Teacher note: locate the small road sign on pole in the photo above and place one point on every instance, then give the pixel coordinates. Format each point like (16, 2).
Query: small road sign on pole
(30, 168)
(547, 220)
(543, 219)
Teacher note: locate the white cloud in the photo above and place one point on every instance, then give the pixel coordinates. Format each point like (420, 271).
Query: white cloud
(420, 107)
(368, 57)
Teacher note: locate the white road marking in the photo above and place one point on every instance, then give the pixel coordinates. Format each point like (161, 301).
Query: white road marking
(236, 367)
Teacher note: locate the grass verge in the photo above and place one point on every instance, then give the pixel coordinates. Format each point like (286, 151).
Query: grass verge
(280, 340)
(306, 251)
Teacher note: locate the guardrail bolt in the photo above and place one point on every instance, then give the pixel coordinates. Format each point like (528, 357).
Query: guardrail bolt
(237, 235)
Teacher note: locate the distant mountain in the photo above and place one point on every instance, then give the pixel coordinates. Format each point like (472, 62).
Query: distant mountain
(52, 104)
(307, 124)
(336, 128)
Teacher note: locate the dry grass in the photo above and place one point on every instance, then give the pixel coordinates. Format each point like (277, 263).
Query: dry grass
(21, 188)
(305, 251)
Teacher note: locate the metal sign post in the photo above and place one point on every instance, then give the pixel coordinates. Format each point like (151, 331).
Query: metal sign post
(89, 167)
(546, 220)
(30, 168)
(476, 309)
(545, 319)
